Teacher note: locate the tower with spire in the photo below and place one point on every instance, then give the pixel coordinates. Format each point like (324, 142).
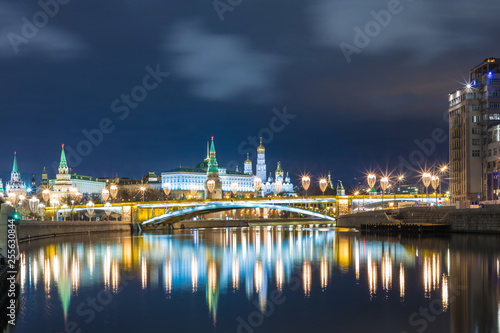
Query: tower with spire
(261, 162)
(279, 173)
(63, 181)
(248, 166)
(45, 179)
(2, 194)
(213, 175)
(16, 185)
(33, 185)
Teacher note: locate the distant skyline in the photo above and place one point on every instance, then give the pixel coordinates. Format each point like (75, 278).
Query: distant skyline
(158, 79)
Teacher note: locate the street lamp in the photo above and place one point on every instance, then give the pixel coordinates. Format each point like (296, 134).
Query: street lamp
(46, 195)
(193, 190)
(105, 194)
(113, 190)
(257, 183)
(384, 183)
(41, 210)
(426, 179)
(211, 185)
(90, 209)
(322, 185)
(306, 182)
(33, 204)
(278, 186)
(234, 188)
(399, 181)
(166, 188)
(143, 189)
(435, 185)
(107, 209)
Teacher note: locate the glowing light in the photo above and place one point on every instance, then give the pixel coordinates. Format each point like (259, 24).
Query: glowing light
(384, 183)
(324, 273)
(426, 179)
(113, 190)
(33, 204)
(306, 182)
(234, 187)
(167, 187)
(401, 281)
(107, 209)
(257, 183)
(435, 182)
(278, 186)
(306, 278)
(371, 180)
(105, 194)
(279, 274)
(211, 185)
(323, 184)
(90, 208)
(444, 293)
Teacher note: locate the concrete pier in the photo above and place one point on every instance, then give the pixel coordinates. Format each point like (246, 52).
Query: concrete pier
(29, 230)
(480, 220)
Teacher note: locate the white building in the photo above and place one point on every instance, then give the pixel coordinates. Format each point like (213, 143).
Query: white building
(65, 181)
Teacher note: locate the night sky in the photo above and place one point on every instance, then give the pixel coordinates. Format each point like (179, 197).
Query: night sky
(228, 69)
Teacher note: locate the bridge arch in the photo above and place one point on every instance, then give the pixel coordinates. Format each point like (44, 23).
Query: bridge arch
(192, 211)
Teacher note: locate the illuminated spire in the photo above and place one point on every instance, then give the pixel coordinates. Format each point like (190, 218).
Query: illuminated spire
(14, 167)
(248, 159)
(212, 163)
(63, 165)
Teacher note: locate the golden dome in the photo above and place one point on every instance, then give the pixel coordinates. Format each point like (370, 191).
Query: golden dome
(279, 170)
(261, 147)
(248, 159)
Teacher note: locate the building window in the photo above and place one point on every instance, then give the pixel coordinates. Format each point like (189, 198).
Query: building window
(475, 108)
(495, 151)
(475, 119)
(476, 153)
(494, 105)
(495, 116)
(476, 142)
(489, 152)
(475, 130)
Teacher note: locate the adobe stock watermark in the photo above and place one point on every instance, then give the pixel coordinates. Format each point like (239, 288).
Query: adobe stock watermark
(420, 319)
(372, 29)
(223, 6)
(277, 124)
(425, 148)
(88, 309)
(122, 107)
(30, 28)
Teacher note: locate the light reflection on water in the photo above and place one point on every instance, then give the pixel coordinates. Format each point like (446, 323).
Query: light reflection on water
(343, 269)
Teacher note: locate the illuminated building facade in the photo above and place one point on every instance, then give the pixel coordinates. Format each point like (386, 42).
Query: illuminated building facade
(183, 179)
(474, 113)
(65, 181)
(2, 194)
(286, 187)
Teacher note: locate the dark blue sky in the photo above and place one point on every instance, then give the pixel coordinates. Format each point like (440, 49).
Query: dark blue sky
(226, 77)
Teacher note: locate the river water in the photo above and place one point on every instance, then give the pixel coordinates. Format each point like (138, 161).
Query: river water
(260, 279)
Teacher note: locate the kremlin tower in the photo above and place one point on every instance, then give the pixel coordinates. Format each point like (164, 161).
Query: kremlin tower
(261, 162)
(213, 175)
(16, 185)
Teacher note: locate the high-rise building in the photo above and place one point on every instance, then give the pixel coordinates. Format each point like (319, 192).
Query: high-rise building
(474, 113)
(261, 162)
(15, 184)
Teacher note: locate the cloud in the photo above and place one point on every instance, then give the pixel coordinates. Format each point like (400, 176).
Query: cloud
(40, 41)
(426, 28)
(221, 67)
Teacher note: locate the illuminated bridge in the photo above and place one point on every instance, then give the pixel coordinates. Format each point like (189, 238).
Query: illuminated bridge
(328, 208)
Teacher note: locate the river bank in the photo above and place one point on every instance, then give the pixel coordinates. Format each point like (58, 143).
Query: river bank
(480, 220)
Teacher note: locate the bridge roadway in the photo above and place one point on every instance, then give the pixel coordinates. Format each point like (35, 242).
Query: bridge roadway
(327, 207)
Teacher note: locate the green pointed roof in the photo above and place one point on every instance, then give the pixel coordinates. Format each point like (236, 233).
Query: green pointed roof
(44, 171)
(63, 164)
(14, 166)
(212, 163)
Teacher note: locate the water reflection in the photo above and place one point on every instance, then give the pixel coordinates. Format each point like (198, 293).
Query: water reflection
(257, 261)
